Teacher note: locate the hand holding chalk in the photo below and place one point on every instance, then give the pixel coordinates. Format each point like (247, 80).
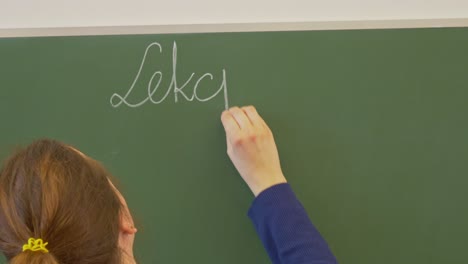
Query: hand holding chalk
(251, 148)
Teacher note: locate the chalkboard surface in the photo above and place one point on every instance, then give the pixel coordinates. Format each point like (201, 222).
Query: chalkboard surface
(371, 126)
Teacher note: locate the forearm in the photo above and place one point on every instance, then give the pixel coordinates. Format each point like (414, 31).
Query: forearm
(285, 229)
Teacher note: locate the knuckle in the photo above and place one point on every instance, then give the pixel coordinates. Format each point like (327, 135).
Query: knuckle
(253, 137)
(246, 138)
(239, 140)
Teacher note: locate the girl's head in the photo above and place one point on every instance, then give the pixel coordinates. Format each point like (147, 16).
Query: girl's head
(54, 192)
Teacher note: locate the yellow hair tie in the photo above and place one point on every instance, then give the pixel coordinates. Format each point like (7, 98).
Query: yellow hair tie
(35, 245)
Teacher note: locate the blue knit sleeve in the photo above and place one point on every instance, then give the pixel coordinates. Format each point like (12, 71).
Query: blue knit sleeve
(287, 234)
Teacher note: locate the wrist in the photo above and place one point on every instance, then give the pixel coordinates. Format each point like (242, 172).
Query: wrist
(260, 187)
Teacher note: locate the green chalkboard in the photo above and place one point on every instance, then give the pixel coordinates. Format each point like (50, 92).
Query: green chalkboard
(371, 127)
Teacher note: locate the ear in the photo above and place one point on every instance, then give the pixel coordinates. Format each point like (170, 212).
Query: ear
(126, 225)
(126, 238)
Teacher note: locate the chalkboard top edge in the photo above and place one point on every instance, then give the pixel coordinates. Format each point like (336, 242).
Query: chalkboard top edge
(235, 27)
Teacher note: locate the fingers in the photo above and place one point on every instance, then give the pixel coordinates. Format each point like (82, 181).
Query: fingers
(254, 117)
(229, 123)
(241, 118)
(245, 119)
(236, 120)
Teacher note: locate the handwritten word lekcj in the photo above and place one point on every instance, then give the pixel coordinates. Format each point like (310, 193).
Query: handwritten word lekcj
(152, 86)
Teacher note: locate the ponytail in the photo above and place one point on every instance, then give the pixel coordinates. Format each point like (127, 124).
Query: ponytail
(49, 191)
(34, 252)
(34, 257)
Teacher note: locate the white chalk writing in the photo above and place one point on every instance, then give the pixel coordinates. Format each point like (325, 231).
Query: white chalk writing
(154, 82)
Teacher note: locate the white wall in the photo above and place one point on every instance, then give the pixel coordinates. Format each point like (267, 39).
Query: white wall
(79, 13)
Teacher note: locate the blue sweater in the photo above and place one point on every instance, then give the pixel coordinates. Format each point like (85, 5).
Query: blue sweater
(285, 229)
